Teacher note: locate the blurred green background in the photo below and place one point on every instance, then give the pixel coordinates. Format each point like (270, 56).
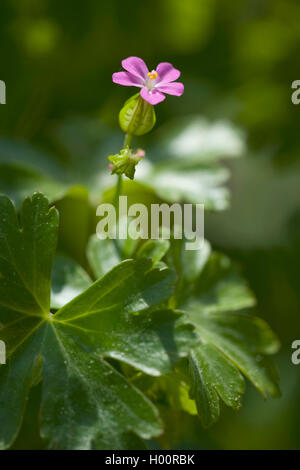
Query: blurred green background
(238, 60)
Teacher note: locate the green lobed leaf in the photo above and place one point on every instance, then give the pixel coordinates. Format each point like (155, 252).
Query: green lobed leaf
(214, 377)
(189, 263)
(154, 250)
(94, 406)
(172, 390)
(26, 257)
(69, 279)
(231, 341)
(86, 403)
(243, 339)
(76, 217)
(220, 287)
(102, 255)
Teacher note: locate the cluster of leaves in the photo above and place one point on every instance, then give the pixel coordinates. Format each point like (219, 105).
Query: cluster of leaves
(103, 346)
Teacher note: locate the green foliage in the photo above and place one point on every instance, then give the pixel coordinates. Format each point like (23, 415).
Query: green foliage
(154, 250)
(231, 341)
(124, 163)
(215, 297)
(102, 255)
(124, 339)
(86, 403)
(214, 377)
(68, 280)
(56, 140)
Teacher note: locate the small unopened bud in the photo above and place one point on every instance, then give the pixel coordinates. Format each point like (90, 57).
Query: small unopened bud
(140, 153)
(125, 162)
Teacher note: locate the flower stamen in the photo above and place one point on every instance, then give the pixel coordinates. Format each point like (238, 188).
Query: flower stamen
(152, 74)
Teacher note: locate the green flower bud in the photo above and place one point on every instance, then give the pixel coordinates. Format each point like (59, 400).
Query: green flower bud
(137, 117)
(125, 162)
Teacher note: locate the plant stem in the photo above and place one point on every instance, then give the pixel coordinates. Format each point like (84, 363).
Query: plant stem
(127, 143)
(127, 140)
(117, 194)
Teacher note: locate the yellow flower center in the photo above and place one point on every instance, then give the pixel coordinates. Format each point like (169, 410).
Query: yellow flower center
(152, 75)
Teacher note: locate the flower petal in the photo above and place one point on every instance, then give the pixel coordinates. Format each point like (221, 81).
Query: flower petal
(166, 72)
(136, 66)
(153, 98)
(126, 79)
(176, 88)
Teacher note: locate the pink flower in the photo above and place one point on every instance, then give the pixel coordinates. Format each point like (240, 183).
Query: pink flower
(153, 84)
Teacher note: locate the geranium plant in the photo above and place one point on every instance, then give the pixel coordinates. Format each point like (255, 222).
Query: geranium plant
(105, 347)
